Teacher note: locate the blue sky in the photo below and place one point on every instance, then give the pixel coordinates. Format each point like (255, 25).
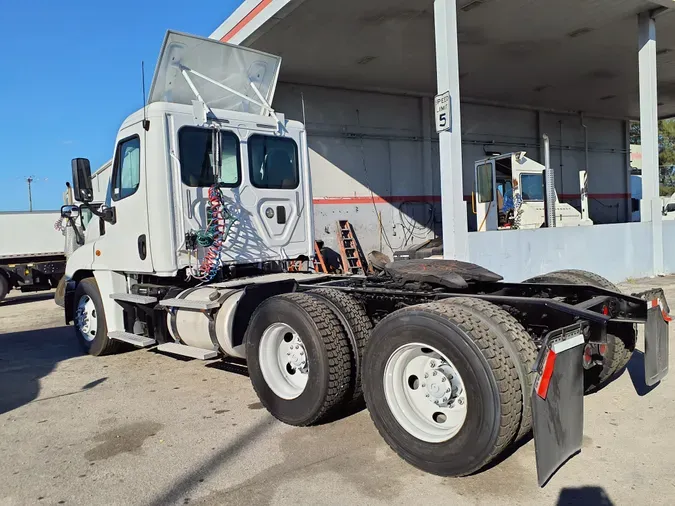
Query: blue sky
(70, 73)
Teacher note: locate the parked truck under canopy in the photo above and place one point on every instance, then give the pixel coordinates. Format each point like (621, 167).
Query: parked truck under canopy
(210, 206)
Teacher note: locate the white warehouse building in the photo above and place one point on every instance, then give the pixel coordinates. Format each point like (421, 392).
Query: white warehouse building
(363, 76)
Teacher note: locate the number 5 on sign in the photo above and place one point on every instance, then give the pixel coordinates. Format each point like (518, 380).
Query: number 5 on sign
(443, 112)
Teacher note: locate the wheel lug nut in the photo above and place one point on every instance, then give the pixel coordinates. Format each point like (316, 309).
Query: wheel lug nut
(461, 401)
(434, 373)
(423, 385)
(427, 395)
(432, 363)
(443, 378)
(426, 374)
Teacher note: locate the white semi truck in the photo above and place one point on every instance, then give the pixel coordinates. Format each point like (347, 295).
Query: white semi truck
(209, 204)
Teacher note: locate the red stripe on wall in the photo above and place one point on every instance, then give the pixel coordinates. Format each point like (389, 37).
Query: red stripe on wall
(437, 198)
(377, 199)
(246, 20)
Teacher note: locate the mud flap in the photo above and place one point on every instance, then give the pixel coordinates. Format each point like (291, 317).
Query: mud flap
(558, 399)
(656, 339)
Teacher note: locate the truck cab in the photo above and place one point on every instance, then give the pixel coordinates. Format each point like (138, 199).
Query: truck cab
(510, 194)
(205, 175)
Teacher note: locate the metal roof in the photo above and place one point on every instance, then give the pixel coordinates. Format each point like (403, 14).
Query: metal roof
(577, 55)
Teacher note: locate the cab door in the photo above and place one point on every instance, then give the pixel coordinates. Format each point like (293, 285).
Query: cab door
(125, 244)
(486, 196)
(275, 181)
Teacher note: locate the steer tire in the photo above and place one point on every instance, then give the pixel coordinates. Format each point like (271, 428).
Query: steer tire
(518, 343)
(328, 354)
(100, 344)
(490, 378)
(621, 338)
(357, 322)
(4, 286)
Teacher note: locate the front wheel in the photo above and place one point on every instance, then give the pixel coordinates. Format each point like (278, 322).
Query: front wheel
(441, 388)
(89, 319)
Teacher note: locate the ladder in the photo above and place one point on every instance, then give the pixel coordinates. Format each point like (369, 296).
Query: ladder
(320, 264)
(352, 260)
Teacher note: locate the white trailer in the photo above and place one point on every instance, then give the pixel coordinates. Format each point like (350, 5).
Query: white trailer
(31, 251)
(210, 211)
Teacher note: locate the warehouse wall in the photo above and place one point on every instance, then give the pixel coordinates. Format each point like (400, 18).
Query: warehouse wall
(384, 143)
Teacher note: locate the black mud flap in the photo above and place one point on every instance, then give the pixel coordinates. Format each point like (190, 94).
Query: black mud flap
(558, 399)
(656, 336)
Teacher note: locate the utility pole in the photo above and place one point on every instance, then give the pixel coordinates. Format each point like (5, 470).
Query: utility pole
(29, 180)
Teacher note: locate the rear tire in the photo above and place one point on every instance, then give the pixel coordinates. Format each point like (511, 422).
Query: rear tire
(89, 322)
(516, 340)
(492, 391)
(313, 327)
(4, 286)
(621, 339)
(359, 324)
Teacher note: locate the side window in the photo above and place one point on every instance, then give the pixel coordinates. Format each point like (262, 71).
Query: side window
(127, 169)
(195, 147)
(273, 162)
(532, 186)
(484, 187)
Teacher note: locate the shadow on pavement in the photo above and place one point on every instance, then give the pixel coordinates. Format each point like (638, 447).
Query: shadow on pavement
(27, 356)
(29, 297)
(584, 496)
(636, 370)
(193, 478)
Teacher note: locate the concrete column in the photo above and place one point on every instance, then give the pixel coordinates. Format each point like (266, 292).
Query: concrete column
(455, 230)
(649, 119)
(650, 207)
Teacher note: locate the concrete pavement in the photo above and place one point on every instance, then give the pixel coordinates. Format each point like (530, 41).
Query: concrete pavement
(145, 428)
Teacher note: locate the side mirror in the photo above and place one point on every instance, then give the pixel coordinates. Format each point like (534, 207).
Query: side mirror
(82, 180)
(70, 211)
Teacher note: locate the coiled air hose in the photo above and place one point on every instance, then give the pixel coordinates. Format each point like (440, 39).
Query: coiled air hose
(219, 224)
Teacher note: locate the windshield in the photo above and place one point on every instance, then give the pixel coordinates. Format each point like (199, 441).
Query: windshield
(532, 186)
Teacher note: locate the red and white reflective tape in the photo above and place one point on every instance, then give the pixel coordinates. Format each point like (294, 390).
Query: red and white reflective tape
(544, 379)
(657, 302)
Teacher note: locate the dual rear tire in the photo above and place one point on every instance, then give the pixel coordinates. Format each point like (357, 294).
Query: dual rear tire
(480, 352)
(302, 363)
(447, 384)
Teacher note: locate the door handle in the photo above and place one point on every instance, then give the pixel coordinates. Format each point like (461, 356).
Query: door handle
(281, 215)
(142, 247)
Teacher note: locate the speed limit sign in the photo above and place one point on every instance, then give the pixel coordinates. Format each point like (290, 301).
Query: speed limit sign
(443, 112)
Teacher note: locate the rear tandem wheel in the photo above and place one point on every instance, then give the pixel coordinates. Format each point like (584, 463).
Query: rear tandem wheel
(620, 338)
(298, 358)
(442, 388)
